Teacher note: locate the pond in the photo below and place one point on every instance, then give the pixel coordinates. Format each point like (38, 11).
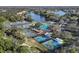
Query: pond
(37, 17)
(60, 13)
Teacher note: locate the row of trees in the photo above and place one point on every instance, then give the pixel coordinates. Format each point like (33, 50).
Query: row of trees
(22, 43)
(2, 20)
(6, 44)
(11, 14)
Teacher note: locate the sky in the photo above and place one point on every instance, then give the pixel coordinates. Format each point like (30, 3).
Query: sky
(39, 2)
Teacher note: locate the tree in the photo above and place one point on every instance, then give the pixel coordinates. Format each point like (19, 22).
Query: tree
(23, 49)
(67, 35)
(29, 18)
(2, 40)
(56, 30)
(78, 21)
(1, 26)
(35, 50)
(2, 19)
(73, 50)
(12, 18)
(1, 49)
(6, 43)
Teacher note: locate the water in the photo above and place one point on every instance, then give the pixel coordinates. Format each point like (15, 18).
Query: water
(60, 13)
(37, 17)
